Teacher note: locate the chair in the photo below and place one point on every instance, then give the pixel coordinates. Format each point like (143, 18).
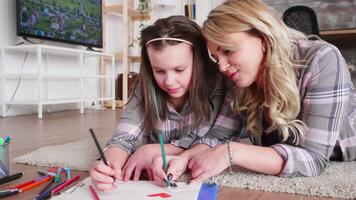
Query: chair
(301, 18)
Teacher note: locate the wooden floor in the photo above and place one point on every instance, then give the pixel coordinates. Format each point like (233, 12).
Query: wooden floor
(29, 134)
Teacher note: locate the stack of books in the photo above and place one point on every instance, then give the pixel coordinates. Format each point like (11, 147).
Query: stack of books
(189, 11)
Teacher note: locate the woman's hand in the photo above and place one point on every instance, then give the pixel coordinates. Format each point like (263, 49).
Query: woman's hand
(103, 177)
(209, 163)
(141, 159)
(177, 165)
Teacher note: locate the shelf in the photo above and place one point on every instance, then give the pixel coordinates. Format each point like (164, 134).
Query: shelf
(41, 76)
(48, 76)
(118, 56)
(132, 13)
(24, 76)
(127, 15)
(340, 34)
(59, 101)
(55, 50)
(118, 104)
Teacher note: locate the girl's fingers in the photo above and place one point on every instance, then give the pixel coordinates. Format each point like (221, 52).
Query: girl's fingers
(105, 187)
(159, 181)
(101, 167)
(127, 172)
(137, 173)
(117, 169)
(157, 168)
(150, 174)
(98, 176)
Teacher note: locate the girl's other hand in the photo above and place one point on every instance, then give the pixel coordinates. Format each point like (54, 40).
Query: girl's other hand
(141, 159)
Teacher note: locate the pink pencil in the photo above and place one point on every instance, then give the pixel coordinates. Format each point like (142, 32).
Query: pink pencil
(94, 194)
(65, 184)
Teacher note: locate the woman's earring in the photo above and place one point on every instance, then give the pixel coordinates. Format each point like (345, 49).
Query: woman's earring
(263, 49)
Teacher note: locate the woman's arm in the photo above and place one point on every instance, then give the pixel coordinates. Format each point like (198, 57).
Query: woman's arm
(325, 90)
(256, 158)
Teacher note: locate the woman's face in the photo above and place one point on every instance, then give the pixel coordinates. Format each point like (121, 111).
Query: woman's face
(172, 68)
(242, 60)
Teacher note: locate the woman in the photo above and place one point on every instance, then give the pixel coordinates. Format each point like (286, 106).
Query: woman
(180, 94)
(295, 96)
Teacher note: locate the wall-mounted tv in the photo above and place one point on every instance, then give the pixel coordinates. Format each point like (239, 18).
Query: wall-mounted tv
(70, 21)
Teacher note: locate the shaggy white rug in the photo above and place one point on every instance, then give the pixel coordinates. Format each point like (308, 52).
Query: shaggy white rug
(337, 181)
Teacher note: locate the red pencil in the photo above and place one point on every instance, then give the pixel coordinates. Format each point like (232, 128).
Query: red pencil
(28, 183)
(65, 184)
(94, 194)
(23, 184)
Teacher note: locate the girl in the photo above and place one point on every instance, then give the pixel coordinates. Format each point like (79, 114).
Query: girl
(295, 96)
(180, 94)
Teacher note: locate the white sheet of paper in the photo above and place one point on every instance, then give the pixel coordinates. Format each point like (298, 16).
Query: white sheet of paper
(132, 191)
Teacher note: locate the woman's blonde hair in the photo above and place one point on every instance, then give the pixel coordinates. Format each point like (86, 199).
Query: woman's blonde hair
(276, 85)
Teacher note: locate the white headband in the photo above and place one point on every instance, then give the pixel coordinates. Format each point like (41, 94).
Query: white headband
(168, 38)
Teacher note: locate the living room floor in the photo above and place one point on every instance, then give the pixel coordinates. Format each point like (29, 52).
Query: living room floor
(29, 133)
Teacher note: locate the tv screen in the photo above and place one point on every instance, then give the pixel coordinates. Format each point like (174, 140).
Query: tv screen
(71, 21)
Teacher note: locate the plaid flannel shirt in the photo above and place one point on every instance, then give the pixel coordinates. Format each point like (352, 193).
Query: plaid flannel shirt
(177, 128)
(328, 107)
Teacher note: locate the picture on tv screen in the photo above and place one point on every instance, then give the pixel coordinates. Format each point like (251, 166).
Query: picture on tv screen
(72, 21)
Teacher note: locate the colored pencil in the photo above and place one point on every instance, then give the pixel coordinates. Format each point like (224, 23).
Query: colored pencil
(101, 151)
(161, 142)
(11, 177)
(94, 194)
(30, 186)
(65, 184)
(47, 186)
(23, 184)
(5, 193)
(98, 147)
(47, 193)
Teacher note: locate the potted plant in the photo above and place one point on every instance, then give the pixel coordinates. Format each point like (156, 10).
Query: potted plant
(144, 7)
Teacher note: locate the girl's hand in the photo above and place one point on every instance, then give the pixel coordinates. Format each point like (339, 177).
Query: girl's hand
(209, 163)
(141, 159)
(102, 176)
(177, 165)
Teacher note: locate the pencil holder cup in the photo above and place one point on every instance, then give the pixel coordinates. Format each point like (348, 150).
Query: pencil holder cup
(4, 160)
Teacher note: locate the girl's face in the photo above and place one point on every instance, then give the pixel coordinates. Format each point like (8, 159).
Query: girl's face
(172, 68)
(242, 60)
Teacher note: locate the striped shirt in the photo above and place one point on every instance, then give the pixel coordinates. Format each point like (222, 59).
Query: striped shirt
(177, 128)
(328, 107)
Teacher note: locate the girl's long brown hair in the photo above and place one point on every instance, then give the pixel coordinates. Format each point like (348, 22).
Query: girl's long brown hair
(155, 99)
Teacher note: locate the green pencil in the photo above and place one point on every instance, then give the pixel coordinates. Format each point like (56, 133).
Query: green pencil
(161, 142)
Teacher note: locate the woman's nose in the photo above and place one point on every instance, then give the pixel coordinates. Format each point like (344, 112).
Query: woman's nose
(223, 64)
